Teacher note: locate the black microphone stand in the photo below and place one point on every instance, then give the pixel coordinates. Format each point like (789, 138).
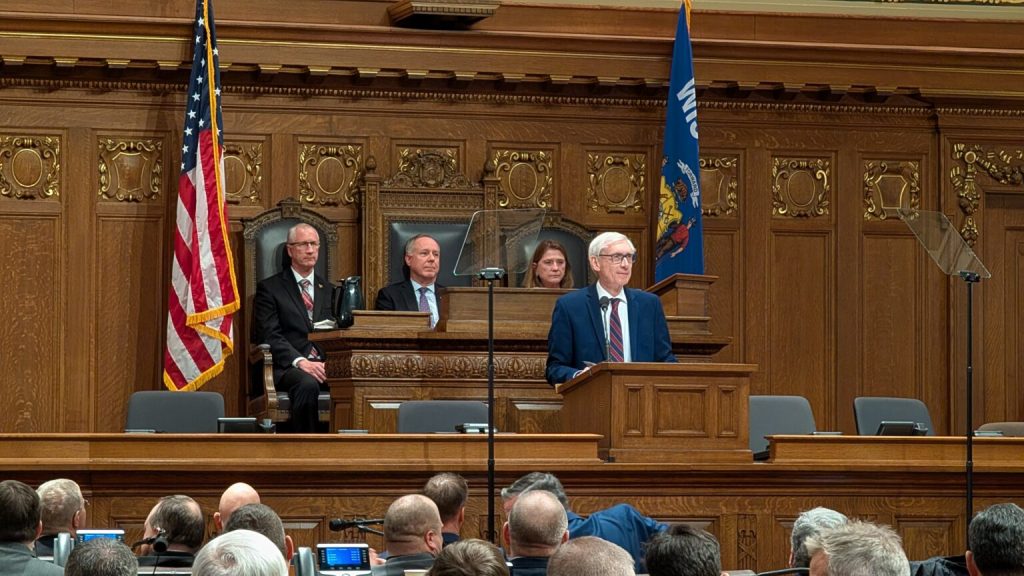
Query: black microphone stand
(490, 275)
(970, 279)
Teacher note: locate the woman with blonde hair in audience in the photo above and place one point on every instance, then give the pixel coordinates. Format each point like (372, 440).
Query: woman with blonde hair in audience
(549, 267)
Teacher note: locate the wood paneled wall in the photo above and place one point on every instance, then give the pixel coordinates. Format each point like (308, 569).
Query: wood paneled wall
(805, 142)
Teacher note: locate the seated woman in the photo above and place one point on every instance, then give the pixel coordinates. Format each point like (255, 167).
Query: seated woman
(549, 267)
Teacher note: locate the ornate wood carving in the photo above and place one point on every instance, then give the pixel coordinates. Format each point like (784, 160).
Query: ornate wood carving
(428, 168)
(719, 181)
(891, 187)
(527, 178)
(746, 541)
(616, 181)
(329, 173)
(439, 366)
(30, 167)
(801, 187)
(1005, 167)
(243, 172)
(130, 170)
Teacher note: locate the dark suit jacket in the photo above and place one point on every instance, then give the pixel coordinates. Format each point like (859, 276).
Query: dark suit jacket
(279, 317)
(577, 332)
(401, 297)
(18, 559)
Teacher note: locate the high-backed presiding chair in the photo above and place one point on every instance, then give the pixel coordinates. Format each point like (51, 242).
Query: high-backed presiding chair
(870, 411)
(572, 236)
(778, 415)
(265, 255)
(167, 411)
(425, 416)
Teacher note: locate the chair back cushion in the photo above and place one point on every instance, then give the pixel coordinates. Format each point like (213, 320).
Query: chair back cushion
(425, 416)
(778, 415)
(182, 412)
(870, 411)
(449, 236)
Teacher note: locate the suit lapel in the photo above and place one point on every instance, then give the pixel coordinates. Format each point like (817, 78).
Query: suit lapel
(594, 308)
(294, 291)
(321, 299)
(411, 302)
(634, 321)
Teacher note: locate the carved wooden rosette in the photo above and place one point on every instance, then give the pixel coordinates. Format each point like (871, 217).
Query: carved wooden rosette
(527, 178)
(329, 173)
(243, 172)
(616, 181)
(432, 167)
(719, 182)
(891, 187)
(800, 187)
(1004, 167)
(130, 170)
(29, 167)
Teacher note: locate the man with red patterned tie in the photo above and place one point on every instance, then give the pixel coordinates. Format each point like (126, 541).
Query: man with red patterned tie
(284, 309)
(607, 320)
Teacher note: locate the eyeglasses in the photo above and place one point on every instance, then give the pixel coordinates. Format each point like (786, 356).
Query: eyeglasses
(618, 258)
(308, 244)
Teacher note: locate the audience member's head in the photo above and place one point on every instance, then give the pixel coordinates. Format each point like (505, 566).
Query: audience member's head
(590, 556)
(533, 481)
(412, 525)
(683, 551)
(536, 526)
(261, 518)
(469, 558)
(62, 506)
(181, 520)
(19, 513)
(101, 557)
(807, 524)
(549, 267)
(237, 495)
(449, 492)
(857, 549)
(240, 553)
(995, 542)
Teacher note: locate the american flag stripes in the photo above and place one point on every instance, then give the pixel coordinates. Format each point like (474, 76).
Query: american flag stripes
(204, 293)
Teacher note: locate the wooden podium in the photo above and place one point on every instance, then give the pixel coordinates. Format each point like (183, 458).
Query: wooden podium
(662, 412)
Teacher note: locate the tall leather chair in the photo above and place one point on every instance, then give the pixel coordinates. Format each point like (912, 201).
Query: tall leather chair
(870, 411)
(426, 416)
(167, 411)
(778, 415)
(265, 255)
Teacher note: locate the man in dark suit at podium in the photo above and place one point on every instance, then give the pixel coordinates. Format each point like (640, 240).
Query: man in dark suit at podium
(606, 320)
(284, 309)
(418, 293)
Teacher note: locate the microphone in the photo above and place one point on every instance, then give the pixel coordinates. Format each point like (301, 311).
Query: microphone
(158, 541)
(604, 322)
(339, 524)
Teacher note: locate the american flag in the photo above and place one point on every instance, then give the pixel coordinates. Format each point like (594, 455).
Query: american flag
(204, 293)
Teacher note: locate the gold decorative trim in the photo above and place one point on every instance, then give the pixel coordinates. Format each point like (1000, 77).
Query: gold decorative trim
(130, 170)
(719, 174)
(891, 187)
(321, 163)
(998, 164)
(616, 181)
(250, 160)
(29, 167)
(787, 201)
(526, 178)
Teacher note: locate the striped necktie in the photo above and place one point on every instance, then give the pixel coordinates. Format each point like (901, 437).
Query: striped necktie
(615, 333)
(307, 298)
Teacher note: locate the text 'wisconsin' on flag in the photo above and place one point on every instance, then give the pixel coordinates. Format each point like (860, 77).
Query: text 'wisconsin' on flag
(204, 293)
(679, 244)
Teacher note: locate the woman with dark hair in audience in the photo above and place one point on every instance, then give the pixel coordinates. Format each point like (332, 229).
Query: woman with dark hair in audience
(549, 267)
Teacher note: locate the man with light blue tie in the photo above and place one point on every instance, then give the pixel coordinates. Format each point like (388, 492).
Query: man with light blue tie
(418, 293)
(607, 320)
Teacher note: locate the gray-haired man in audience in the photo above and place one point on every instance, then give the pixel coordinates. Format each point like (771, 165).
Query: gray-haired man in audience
(101, 557)
(858, 549)
(62, 509)
(262, 519)
(807, 524)
(240, 553)
(996, 542)
(590, 556)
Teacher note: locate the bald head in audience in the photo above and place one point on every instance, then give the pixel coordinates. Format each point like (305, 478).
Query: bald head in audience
(536, 526)
(858, 549)
(996, 542)
(412, 525)
(590, 556)
(237, 495)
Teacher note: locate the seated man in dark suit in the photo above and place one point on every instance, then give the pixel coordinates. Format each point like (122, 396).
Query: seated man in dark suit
(537, 525)
(418, 293)
(607, 320)
(62, 510)
(178, 521)
(284, 309)
(19, 527)
(412, 535)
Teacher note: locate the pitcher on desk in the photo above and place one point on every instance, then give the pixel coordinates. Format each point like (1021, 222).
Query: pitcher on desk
(607, 320)
(418, 292)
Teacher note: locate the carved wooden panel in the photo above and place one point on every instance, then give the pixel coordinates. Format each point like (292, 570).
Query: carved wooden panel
(329, 173)
(30, 166)
(681, 412)
(130, 313)
(429, 165)
(131, 169)
(801, 187)
(31, 333)
(927, 536)
(527, 176)
(719, 184)
(244, 161)
(534, 416)
(616, 181)
(891, 187)
(1004, 166)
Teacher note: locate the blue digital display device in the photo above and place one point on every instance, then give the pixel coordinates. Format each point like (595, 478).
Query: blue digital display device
(86, 535)
(354, 557)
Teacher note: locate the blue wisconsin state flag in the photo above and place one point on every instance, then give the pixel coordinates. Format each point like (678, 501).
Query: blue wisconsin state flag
(680, 241)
